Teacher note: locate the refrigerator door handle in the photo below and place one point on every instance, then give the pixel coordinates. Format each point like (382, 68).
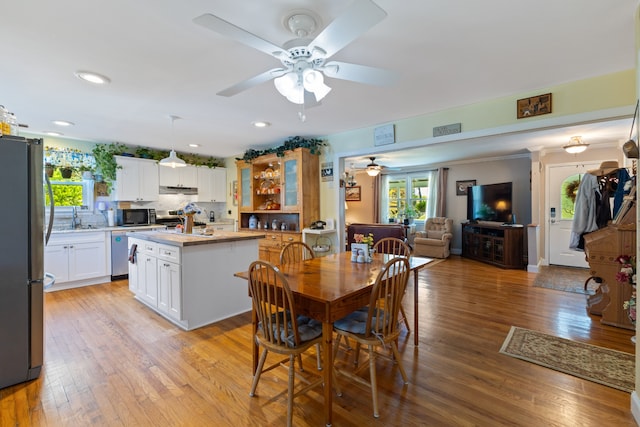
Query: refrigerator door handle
(51, 211)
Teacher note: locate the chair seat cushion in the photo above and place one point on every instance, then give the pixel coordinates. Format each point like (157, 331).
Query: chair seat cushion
(308, 329)
(356, 321)
(435, 234)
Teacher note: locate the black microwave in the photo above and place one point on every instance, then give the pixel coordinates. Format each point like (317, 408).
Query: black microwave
(131, 217)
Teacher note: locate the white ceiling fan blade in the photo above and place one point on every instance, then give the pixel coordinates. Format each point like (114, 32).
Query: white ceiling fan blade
(225, 28)
(359, 73)
(253, 81)
(355, 21)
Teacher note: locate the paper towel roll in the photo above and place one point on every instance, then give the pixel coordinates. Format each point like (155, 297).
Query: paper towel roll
(110, 218)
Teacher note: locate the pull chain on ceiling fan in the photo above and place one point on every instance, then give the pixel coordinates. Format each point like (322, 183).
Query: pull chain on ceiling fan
(304, 63)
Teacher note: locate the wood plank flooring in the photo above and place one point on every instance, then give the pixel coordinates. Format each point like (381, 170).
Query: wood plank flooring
(109, 361)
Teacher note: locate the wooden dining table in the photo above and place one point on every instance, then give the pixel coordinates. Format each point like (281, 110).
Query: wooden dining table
(327, 289)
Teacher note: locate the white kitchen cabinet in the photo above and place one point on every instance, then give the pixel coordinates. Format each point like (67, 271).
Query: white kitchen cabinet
(170, 289)
(169, 281)
(178, 177)
(136, 179)
(147, 271)
(77, 259)
(157, 273)
(212, 184)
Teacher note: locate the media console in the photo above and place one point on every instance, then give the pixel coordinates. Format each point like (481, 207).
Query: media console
(497, 244)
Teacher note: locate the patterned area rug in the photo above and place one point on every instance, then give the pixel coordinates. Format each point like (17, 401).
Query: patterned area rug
(601, 365)
(568, 279)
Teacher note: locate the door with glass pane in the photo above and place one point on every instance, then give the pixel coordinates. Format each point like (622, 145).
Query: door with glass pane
(291, 169)
(563, 187)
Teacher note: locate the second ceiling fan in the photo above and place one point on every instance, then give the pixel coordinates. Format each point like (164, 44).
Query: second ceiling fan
(303, 61)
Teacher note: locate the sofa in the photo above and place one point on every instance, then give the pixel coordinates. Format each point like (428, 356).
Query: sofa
(435, 240)
(379, 231)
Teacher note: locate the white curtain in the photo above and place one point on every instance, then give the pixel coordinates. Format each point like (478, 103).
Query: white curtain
(432, 204)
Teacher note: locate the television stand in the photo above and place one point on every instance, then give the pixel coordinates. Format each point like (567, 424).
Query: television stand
(496, 244)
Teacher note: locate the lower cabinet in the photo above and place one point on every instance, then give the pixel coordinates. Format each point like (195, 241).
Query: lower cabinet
(77, 259)
(494, 244)
(269, 248)
(155, 277)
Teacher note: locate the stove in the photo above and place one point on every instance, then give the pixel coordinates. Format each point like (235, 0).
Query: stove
(171, 218)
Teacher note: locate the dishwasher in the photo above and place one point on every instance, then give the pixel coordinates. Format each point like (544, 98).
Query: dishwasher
(119, 255)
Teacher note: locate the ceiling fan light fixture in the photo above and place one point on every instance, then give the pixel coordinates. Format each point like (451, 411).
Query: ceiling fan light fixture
(373, 170)
(313, 81)
(289, 86)
(173, 161)
(575, 145)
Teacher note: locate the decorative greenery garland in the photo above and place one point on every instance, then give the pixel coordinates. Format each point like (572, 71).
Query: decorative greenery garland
(314, 145)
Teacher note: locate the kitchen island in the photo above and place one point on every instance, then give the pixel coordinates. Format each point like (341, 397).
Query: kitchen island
(188, 278)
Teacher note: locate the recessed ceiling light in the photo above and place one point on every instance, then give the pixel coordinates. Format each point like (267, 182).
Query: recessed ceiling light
(52, 133)
(62, 123)
(194, 145)
(261, 124)
(92, 77)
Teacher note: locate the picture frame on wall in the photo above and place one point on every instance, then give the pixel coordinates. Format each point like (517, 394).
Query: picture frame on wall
(534, 106)
(462, 187)
(353, 194)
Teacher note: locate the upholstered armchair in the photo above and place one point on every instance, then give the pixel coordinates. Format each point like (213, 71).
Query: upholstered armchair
(435, 240)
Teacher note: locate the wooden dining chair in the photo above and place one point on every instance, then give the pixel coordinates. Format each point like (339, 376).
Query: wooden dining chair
(395, 246)
(378, 326)
(280, 330)
(294, 252)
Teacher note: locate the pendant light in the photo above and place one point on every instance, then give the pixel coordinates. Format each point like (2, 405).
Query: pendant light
(173, 161)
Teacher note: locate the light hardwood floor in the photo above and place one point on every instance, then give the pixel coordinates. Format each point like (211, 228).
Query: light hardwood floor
(110, 361)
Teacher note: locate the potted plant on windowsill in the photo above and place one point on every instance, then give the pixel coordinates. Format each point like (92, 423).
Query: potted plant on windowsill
(66, 171)
(409, 214)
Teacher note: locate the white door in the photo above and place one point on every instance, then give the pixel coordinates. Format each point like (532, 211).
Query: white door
(562, 179)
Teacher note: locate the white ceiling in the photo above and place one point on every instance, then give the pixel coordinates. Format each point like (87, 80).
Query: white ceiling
(447, 54)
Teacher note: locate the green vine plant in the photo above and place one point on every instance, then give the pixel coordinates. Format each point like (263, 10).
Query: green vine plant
(105, 163)
(314, 145)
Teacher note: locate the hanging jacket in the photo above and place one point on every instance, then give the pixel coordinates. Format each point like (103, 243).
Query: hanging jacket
(584, 218)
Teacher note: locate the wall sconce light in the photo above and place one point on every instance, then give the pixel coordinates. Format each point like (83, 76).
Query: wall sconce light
(575, 145)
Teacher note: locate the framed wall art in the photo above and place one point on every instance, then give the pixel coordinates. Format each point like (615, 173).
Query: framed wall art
(352, 194)
(462, 187)
(534, 106)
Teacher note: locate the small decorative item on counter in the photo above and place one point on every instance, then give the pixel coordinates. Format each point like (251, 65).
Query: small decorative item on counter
(179, 228)
(253, 221)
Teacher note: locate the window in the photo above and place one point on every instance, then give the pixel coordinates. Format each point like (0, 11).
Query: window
(68, 187)
(69, 192)
(407, 194)
(569, 190)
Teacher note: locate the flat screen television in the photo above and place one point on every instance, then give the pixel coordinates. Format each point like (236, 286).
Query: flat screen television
(492, 202)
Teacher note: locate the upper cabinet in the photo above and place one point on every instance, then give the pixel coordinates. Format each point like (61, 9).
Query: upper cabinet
(136, 180)
(280, 188)
(212, 184)
(186, 177)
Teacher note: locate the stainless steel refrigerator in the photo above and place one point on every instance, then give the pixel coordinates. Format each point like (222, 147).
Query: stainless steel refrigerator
(21, 260)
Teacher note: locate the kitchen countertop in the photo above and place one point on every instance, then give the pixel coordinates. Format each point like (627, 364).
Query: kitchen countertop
(177, 239)
(116, 228)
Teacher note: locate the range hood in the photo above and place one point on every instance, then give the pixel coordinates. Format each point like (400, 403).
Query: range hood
(178, 190)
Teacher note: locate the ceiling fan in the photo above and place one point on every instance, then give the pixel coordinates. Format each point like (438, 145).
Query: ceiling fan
(373, 168)
(304, 61)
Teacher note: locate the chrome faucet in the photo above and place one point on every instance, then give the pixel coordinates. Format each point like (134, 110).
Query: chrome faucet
(75, 221)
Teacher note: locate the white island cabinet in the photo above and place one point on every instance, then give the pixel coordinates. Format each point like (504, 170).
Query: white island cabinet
(188, 279)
